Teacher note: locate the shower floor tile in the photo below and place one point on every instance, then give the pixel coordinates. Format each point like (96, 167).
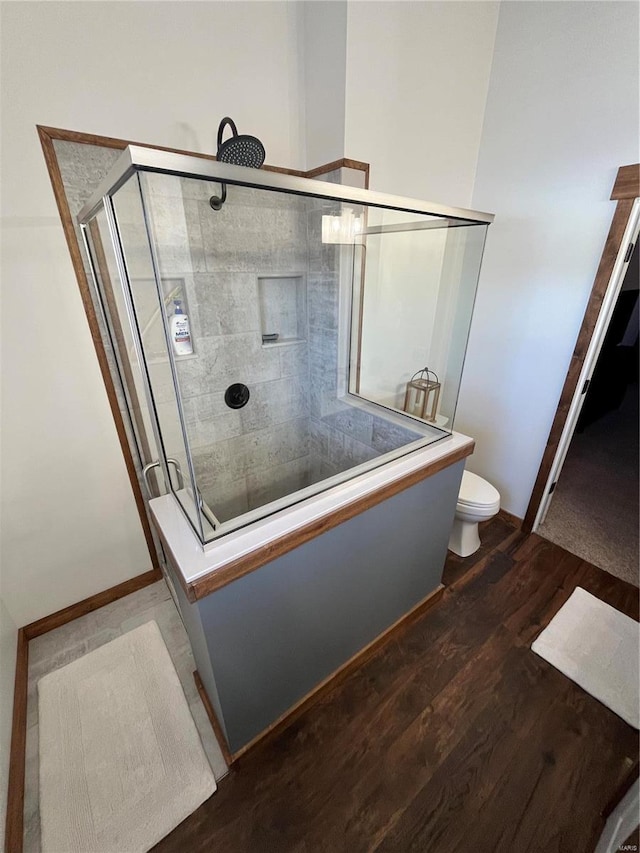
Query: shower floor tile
(75, 639)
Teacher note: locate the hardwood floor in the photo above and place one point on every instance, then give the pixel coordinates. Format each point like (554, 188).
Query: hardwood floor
(454, 737)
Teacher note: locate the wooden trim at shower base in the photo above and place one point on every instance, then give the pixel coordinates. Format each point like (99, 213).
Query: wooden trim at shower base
(47, 135)
(626, 189)
(248, 563)
(88, 605)
(213, 719)
(14, 823)
(343, 672)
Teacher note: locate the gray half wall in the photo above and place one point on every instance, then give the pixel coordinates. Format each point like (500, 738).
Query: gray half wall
(274, 634)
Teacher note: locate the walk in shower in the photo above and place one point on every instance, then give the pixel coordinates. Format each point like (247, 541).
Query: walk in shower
(310, 308)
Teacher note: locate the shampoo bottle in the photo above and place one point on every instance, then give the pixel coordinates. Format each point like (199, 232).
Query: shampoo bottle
(180, 333)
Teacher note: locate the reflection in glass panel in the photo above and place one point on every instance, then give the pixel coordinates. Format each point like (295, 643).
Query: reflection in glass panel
(415, 298)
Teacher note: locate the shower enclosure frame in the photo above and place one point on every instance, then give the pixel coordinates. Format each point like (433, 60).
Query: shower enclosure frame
(396, 515)
(135, 160)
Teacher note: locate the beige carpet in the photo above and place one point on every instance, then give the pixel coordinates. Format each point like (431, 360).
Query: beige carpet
(594, 511)
(121, 762)
(599, 648)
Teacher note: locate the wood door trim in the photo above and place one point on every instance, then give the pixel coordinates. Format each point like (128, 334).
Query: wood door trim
(627, 183)
(14, 825)
(626, 189)
(248, 563)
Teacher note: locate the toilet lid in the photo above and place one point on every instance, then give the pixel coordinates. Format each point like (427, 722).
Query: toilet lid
(474, 491)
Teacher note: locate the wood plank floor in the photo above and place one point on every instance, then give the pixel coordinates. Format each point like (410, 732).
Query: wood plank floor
(454, 737)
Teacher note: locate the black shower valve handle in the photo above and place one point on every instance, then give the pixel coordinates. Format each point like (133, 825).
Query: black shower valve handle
(221, 128)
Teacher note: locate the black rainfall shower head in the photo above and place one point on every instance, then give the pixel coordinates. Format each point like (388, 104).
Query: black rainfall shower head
(240, 150)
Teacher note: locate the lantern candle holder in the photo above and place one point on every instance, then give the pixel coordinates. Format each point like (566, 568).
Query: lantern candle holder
(422, 395)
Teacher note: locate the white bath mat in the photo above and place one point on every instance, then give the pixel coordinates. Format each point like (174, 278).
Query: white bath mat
(597, 647)
(121, 763)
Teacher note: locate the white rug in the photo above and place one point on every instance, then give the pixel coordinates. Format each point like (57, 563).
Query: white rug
(599, 648)
(121, 762)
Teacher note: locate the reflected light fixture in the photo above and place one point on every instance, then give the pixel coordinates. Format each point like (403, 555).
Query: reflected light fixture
(343, 228)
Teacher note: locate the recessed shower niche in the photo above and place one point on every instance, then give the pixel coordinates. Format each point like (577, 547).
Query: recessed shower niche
(283, 308)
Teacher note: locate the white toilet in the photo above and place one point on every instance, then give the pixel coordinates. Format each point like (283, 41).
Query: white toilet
(477, 501)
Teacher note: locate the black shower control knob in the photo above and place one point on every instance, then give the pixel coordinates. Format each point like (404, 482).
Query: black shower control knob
(236, 396)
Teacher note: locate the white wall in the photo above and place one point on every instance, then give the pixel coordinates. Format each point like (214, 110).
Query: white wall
(8, 642)
(417, 78)
(163, 73)
(323, 47)
(562, 115)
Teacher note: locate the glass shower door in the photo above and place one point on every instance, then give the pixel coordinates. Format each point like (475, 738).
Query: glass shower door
(135, 303)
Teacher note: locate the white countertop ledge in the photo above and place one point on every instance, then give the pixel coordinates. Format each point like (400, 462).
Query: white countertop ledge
(195, 561)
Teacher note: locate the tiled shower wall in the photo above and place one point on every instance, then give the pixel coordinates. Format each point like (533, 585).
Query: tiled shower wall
(293, 431)
(245, 457)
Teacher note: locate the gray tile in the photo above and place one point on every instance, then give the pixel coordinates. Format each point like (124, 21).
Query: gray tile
(294, 360)
(275, 402)
(235, 458)
(253, 237)
(346, 452)
(43, 666)
(202, 434)
(32, 781)
(279, 444)
(319, 433)
(227, 497)
(277, 482)
(240, 358)
(323, 301)
(387, 436)
(82, 168)
(283, 306)
(228, 303)
(353, 422)
(323, 359)
(321, 469)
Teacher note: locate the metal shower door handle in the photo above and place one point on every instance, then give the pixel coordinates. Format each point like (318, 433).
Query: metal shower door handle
(156, 464)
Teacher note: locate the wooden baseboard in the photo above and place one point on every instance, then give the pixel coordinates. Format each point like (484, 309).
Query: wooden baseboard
(512, 519)
(213, 719)
(15, 796)
(340, 674)
(14, 826)
(68, 614)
